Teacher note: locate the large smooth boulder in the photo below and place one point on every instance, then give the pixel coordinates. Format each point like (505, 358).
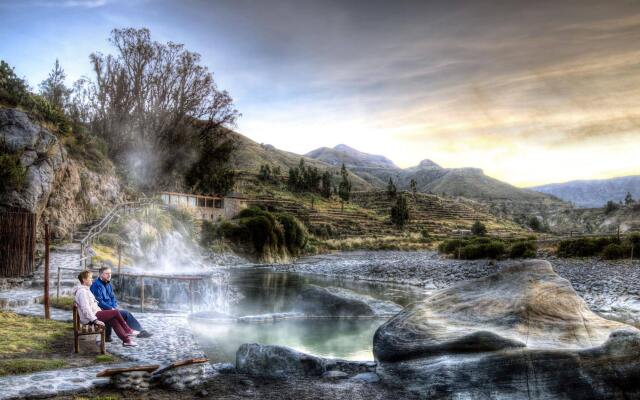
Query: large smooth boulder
(520, 333)
(333, 301)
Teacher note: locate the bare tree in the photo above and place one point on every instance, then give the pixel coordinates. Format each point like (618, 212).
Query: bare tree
(148, 100)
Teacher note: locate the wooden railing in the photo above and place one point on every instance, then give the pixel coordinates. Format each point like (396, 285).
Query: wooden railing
(98, 228)
(188, 278)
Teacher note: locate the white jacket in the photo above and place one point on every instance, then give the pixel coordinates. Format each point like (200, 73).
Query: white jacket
(87, 304)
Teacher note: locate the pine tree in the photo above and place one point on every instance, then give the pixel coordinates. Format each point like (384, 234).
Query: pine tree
(400, 212)
(325, 190)
(414, 187)
(628, 199)
(392, 191)
(53, 88)
(344, 189)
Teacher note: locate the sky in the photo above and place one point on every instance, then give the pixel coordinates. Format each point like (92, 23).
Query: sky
(532, 92)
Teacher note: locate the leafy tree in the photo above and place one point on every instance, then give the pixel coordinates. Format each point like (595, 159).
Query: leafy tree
(392, 191)
(535, 224)
(344, 188)
(628, 199)
(265, 173)
(211, 173)
(610, 207)
(53, 88)
(400, 212)
(478, 228)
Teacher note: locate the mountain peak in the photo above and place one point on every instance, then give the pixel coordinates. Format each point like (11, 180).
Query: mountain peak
(343, 154)
(426, 163)
(344, 147)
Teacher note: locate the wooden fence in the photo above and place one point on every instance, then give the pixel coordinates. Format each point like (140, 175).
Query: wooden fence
(17, 243)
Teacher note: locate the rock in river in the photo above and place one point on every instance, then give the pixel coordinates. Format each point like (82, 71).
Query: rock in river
(282, 362)
(519, 333)
(333, 301)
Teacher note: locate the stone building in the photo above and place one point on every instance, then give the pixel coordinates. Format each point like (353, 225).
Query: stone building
(206, 207)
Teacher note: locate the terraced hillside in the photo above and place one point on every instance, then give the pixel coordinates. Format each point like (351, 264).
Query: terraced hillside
(367, 215)
(439, 215)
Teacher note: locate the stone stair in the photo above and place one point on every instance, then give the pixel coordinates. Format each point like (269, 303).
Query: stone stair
(82, 232)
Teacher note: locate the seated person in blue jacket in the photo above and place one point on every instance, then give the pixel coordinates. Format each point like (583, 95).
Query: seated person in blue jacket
(103, 292)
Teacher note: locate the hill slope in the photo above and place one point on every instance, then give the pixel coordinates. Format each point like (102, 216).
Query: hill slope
(249, 156)
(593, 193)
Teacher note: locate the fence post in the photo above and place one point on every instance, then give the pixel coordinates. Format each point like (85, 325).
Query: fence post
(142, 294)
(119, 246)
(191, 295)
(58, 289)
(47, 311)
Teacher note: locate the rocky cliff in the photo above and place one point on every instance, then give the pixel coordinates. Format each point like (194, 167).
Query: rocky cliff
(59, 189)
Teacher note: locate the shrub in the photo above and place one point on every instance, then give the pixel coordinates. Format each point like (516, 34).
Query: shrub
(582, 247)
(12, 173)
(523, 249)
(108, 239)
(614, 251)
(295, 235)
(585, 247)
(450, 246)
(323, 230)
(208, 233)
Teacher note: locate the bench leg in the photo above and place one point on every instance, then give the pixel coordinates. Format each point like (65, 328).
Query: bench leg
(102, 343)
(76, 342)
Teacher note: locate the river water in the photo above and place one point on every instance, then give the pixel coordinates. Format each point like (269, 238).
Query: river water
(262, 293)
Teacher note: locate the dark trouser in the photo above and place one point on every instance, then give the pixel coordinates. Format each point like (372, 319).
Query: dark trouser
(129, 319)
(112, 318)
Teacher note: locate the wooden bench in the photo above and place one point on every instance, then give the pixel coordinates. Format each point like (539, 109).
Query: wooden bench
(82, 330)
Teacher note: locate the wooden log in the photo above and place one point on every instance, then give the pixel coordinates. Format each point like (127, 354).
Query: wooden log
(115, 371)
(181, 364)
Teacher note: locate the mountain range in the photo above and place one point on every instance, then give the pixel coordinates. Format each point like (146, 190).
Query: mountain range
(594, 193)
(371, 172)
(429, 176)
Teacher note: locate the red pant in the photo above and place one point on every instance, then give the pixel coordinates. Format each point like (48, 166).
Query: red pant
(113, 318)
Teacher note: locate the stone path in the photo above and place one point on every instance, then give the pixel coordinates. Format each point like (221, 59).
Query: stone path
(31, 290)
(172, 341)
(172, 338)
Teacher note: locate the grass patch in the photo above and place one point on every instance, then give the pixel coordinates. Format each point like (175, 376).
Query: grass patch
(19, 334)
(18, 366)
(104, 358)
(63, 302)
(108, 255)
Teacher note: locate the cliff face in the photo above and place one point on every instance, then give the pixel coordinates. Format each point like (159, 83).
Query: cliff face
(60, 190)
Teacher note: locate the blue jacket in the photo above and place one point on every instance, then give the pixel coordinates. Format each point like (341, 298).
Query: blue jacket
(104, 294)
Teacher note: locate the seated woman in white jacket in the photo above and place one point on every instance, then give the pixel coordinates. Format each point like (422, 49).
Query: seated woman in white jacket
(90, 313)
